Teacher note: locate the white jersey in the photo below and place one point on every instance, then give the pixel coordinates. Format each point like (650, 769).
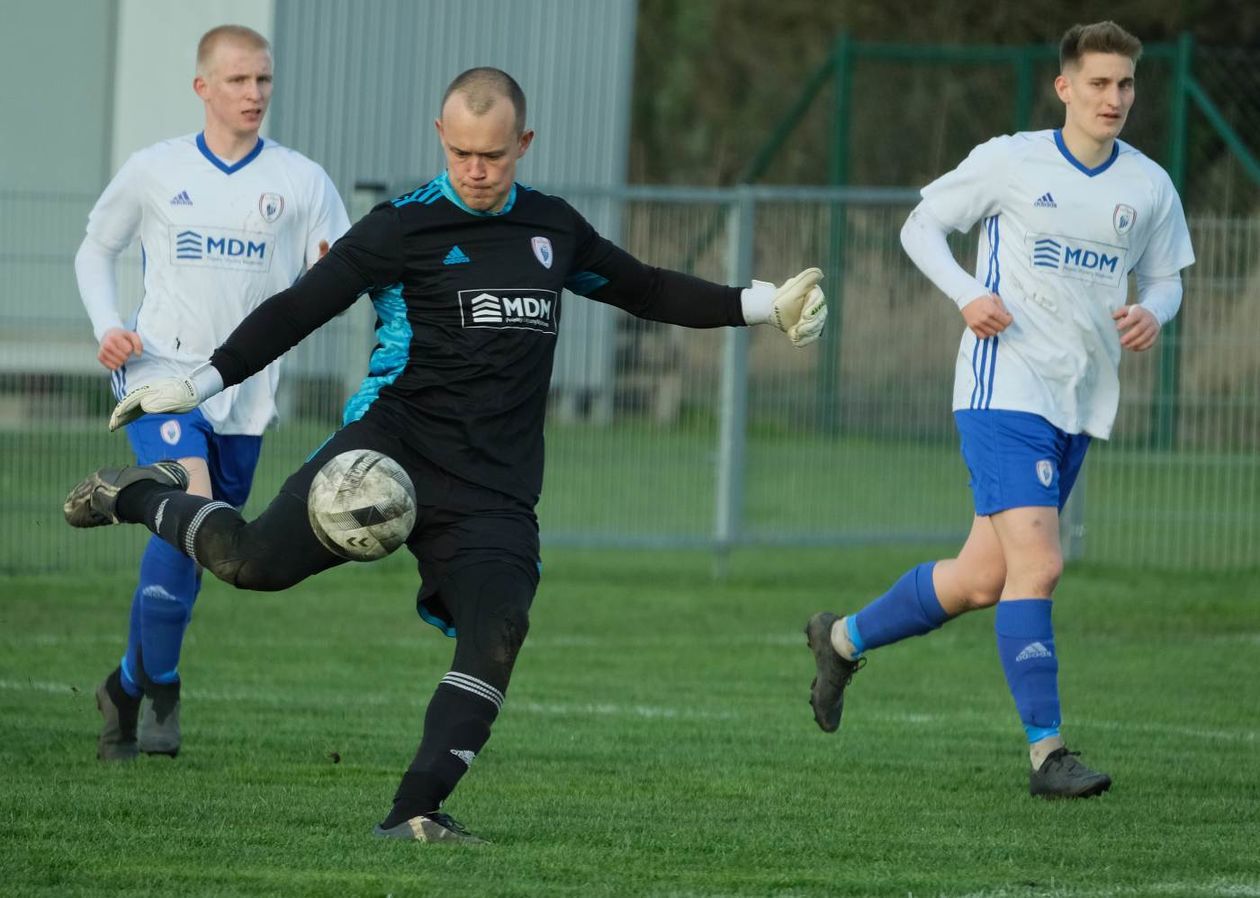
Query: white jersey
(215, 240)
(1058, 244)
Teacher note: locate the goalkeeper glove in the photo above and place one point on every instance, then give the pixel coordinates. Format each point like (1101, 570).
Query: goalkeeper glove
(167, 395)
(798, 307)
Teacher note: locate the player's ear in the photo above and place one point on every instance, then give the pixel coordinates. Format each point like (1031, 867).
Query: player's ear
(526, 138)
(1063, 87)
(199, 86)
(437, 123)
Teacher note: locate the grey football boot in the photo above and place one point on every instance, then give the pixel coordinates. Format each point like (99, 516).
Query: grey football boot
(91, 503)
(117, 741)
(435, 827)
(1061, 775)
(834, 671)
(159, 720)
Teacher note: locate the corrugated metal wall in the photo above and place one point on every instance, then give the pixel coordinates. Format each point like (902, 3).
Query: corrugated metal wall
(358, 86)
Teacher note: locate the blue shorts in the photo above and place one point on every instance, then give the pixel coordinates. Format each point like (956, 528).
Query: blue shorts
(231, 458)
(1018, 459)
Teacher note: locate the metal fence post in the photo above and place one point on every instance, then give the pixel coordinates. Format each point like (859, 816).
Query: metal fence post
(1167, 397)
(829, 359)
(733, 411)
(1072, 523)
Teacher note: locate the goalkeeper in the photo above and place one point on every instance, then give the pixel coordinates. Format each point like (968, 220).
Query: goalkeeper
(466, 275)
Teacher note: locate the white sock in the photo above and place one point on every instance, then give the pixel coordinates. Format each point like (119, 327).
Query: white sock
(1042, 748)
(840, 640)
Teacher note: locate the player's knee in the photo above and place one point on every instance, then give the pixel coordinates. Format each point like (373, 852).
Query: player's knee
(1037, 576)
(258, 574)
(492, 616)
(513, 626)
(500, 632)
(983, 587)
(250, 557)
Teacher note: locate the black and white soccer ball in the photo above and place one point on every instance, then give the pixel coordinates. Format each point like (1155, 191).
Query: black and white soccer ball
(361, 505)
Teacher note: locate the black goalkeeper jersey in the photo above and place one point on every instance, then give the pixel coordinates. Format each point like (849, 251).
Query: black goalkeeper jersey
(468, 308)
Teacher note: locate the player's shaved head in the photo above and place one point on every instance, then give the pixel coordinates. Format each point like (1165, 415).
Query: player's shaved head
(1100, 37)
(481, 88)
(235, 34)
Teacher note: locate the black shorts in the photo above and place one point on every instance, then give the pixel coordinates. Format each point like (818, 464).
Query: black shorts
(458, 523)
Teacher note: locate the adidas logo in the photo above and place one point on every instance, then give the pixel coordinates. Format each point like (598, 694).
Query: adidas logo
(456, 257)
(181, 199)
(1046, 201)
(1033, 650)
(464, 754)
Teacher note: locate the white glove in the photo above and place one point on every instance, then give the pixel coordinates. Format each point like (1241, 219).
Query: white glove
(798, 307)
(167, 394)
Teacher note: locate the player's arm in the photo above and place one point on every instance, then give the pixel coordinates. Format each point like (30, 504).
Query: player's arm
(1159, 299)
(1158, 275)
(368, 256)
(605, 272)
(955, 202)
(924, 240)
(112, 225)
(328, 219)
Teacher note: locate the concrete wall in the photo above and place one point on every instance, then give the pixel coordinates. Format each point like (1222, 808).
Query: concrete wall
(56, 106)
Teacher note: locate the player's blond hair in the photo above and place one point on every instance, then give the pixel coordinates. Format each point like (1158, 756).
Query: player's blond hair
(1100, 37)
(482, 87)
(236, 34)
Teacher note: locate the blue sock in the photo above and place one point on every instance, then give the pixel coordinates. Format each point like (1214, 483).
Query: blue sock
(910, 608)
(1025, 641)
(169, 583)
(130, 664)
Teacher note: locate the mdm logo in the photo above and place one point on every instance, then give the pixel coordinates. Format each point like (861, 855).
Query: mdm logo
(1080, 259)
(220, 248)
(513, 309)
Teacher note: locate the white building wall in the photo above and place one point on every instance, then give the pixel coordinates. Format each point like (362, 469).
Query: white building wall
(157, 53)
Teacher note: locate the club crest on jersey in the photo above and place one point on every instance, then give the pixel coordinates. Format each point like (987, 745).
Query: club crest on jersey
(271, 206)
(1045, 471)
(542, 250)
(170, 432)
(1123, 218)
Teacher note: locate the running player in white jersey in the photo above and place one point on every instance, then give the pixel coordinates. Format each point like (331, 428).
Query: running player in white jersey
(225, 219)
(1067, 216)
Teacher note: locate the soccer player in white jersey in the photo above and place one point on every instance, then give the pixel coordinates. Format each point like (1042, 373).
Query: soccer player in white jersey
(1066, 216)
(225, 219)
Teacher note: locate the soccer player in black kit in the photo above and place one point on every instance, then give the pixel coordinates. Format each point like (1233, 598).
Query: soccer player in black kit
(466, 275)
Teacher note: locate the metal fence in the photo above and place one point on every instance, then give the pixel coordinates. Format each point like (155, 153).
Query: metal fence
(666, 437)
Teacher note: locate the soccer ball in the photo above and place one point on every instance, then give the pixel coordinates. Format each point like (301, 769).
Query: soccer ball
(361, 505)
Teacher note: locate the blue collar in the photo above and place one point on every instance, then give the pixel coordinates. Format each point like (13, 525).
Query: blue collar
(223, 166)
(1067, 154)
(448, 190)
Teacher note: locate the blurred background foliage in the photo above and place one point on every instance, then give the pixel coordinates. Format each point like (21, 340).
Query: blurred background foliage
(713, 79)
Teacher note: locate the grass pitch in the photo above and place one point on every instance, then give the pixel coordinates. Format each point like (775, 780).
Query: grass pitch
(656, 740)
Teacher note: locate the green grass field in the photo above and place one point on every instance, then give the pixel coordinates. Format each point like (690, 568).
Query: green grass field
(638, 484)
(656, 740)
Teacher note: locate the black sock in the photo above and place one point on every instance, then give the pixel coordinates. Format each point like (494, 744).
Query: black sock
(456, 727)
(166, 511)
(133, 501)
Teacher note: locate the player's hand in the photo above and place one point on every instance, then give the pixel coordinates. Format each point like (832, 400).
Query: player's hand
(799, 308)
(986, 316)
(118, 345)
(1138, 327)
(169, 394)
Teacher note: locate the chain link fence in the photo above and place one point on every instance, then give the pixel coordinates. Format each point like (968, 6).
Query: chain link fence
(664, 437)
